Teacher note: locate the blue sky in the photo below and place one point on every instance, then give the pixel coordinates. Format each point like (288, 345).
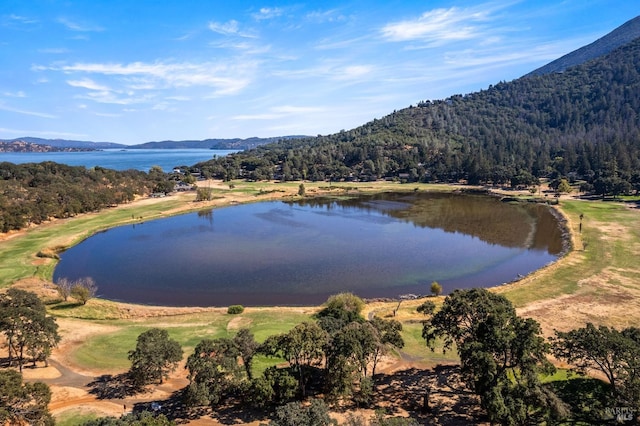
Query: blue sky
(135, 71)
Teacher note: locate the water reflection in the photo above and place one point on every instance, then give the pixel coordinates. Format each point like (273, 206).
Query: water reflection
(295, 253)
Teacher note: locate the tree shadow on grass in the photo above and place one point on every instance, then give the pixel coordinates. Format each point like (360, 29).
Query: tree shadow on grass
(231, 413)
(428, 395)
(588, 398)
(109, 386)
(63, 306)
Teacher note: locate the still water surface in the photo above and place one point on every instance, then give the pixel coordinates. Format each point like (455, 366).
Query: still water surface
(299, 253)
(119, 159)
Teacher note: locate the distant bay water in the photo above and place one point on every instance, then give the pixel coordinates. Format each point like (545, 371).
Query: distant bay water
(120, 159)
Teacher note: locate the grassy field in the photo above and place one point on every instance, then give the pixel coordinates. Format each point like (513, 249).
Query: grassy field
(601, 275)
(18, 254)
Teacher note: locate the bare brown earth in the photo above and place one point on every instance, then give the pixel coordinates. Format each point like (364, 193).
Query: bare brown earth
(405, 380)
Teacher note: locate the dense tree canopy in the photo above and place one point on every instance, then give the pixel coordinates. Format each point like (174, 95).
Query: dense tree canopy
(582, 123)
(614, 353)
(30, 333)
(214, 372)
(143, 418)
(154, 357)
(23, 403)
(500, 353)
(33, 193)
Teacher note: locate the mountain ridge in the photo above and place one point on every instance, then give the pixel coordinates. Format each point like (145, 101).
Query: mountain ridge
(620, 36)
(581, 124)
(232, 144)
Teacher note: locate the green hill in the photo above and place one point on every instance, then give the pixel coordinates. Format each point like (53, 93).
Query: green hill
(582, 123)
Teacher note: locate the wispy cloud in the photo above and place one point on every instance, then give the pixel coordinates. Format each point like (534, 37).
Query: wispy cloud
(25, 112)
(330, 70)
(54, 50)
(114, 97)
(321, 16)
(13, 20)
(223, 78)
(268, 13)
(352, 72)
(77, 26)
(440, 26)
(249, 47)
(87, 84)
(230, 28)
(278, 112)
(328, 44)
(18, 94)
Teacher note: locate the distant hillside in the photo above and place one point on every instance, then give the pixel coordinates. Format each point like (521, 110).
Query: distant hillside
(583, 123)
(615, 39)
(63, 143)
(233, 144)
(22, 146)
(238, 144)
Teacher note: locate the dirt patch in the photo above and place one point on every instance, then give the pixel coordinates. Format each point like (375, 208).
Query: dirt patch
(609, 297)
(238, 323)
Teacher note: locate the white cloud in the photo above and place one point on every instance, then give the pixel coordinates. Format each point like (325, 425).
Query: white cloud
(250, 117)
(327, 44)
(15, 20)
(321, 16)
(278, 112)
(290, 109)
(162, 106)
(223, 78)
(352, 72)
(54, 50)
(268, 13)
(80, 27)
(87, 84)
(118, 98)
(18, 94)
(230, 28)
(328, 70)
(179, 98)
(439, 26)
(246, 47)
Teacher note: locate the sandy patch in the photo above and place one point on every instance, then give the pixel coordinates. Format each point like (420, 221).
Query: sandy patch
(40, 373)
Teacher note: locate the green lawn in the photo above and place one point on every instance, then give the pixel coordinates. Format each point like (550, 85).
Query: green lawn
(108, 352)
(17, 254)
(599, 252)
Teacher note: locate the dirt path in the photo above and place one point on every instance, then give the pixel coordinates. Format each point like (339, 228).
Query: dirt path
(81, 391)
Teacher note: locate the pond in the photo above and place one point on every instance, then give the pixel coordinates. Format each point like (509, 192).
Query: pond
(301, 252)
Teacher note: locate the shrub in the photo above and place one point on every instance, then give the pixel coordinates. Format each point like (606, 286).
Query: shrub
(235, 309)
(84, 289)
(436, 288)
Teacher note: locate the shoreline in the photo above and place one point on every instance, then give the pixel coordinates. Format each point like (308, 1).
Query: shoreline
(228, 197)
(594, 295)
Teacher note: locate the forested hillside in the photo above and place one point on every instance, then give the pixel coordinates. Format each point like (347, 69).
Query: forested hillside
(579, 124)
(622, 35)
(33, 193)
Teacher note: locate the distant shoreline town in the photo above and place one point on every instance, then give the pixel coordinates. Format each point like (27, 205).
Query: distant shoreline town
(22, 146)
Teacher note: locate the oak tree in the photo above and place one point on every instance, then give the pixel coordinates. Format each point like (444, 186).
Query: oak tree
(28, 329)
(23, 403)
(155, 356)
(501, 355)
(615, 353)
